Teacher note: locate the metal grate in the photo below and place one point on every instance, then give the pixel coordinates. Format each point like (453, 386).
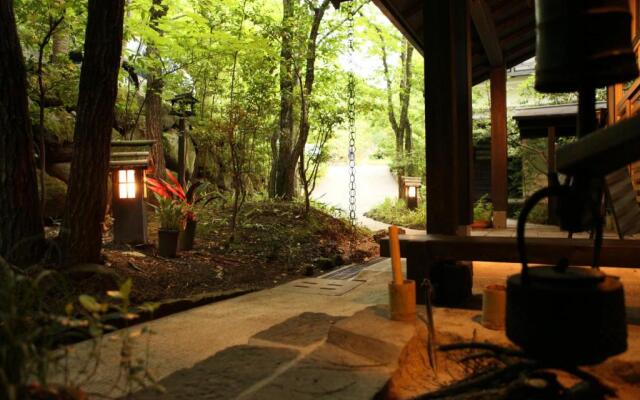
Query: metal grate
(350, 271)
(327, 287)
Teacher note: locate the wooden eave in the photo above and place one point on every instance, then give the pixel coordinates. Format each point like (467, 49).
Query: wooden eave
(533, 122)
(133, 154)
(505, 25)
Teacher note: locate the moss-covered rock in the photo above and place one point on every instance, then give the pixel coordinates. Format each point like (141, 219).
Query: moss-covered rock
(170, 144)
(56, 192)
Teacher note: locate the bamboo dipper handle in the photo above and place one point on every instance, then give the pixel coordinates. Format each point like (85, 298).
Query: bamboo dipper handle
(394, 246)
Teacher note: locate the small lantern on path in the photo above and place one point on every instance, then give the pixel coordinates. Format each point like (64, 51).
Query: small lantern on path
(412, 184)
(129, 191)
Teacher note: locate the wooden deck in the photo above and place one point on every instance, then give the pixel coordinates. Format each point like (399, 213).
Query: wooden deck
(425, 253)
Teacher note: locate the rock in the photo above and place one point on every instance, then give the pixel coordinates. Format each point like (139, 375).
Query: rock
(168, 122)
(324, 263)
(371, 334)
(61, 171)
(170, 144)
(309, 270)
(56, 193)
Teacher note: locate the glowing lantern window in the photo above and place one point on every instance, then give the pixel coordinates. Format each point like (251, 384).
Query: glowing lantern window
(411, 186)
(127, 184)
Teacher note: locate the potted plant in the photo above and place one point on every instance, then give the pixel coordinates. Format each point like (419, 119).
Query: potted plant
(171, 217)
(482, 212)
(188, 233)
(188, 197)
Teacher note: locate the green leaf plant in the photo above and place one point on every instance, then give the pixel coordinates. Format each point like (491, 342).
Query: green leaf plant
(36, 361)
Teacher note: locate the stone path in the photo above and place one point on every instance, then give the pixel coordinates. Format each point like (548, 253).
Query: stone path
(275, 343)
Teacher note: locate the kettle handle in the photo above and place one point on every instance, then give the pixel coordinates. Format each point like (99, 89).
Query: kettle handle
(547, 192)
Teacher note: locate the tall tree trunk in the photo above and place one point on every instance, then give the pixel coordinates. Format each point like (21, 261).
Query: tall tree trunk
(42, 92)
(81, 232)
(60, 44)
(405, 100)
(391, 113)
(273, 171)
(305, 99)
(153, 104)
(288, 151)
(309, 80)
(153, 121)
(285, 172)
(401, 126)
(236, 146)
(21, 231)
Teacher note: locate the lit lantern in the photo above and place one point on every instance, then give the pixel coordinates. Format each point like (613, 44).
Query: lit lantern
(129, 192)
(411, 186)
(127, 184)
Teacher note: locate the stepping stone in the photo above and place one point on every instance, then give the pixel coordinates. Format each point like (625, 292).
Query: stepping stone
(372, 334)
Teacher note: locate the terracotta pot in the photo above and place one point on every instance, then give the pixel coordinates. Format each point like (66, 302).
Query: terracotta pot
(480, 224)
(185, 240)
(167, 242)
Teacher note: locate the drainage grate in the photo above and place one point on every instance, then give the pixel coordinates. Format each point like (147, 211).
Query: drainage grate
(322, 286)
(350, 271)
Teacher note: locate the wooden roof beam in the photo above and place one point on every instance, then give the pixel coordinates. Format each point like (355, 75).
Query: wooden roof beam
(391, 10)
(486, 28)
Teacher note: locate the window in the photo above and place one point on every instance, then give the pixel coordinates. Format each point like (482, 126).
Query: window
(412, 191)
(127, 184)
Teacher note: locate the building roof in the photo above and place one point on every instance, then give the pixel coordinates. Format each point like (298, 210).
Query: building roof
(133, 154)
(503, 30)
(534, 121)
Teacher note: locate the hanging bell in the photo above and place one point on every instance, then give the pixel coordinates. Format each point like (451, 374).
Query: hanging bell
(583, 43)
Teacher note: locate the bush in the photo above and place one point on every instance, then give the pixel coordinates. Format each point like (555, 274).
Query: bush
(33, 337)
(395, 211)
(482, 209)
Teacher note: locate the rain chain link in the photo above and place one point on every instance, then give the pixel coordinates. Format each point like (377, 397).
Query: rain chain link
(351, 119)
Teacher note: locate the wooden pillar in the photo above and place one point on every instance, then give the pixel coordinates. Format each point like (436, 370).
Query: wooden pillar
(499, 183)
(182, 151)
(551, 167)
(448, 116)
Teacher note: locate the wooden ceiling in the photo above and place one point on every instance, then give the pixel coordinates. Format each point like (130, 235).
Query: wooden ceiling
(503, 30)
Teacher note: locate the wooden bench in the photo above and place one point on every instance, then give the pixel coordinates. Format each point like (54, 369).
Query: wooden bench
(425, 252)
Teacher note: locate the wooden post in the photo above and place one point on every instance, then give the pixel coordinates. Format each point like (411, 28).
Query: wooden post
(182, 150)
(551, 167)
(448, 115)
(499, 183)
(464, 133)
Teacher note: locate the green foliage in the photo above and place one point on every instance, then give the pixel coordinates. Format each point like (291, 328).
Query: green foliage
(395, 211)
(482, 209)
(170, 213)
(31, 331)
(27, 331)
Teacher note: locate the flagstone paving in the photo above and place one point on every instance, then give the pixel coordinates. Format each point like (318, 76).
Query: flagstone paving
(279, 343)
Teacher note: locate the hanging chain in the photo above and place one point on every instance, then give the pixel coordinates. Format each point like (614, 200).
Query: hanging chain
(351, 117)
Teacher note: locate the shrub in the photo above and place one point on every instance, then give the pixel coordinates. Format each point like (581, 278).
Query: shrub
(33, 334)
(482, 209)
(395, 211)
